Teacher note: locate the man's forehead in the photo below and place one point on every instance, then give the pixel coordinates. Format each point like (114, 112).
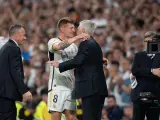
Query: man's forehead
(70, 25)
(22, 29)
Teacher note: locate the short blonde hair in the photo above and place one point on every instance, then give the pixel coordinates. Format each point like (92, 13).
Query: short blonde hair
(64, 21)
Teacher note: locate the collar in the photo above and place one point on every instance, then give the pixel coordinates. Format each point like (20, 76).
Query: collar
(16, 43)
(91, 37)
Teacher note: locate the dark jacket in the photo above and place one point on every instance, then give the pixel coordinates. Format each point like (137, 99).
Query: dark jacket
(89, 73)
(147, 82)
(11, 72)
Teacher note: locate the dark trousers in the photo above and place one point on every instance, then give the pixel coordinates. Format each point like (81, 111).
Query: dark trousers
(7, 109)
(92, 107)
(140, 110)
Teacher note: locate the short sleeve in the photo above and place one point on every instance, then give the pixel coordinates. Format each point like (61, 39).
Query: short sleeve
(51, 42)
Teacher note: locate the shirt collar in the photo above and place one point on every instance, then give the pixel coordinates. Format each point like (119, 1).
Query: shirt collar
(16, 43)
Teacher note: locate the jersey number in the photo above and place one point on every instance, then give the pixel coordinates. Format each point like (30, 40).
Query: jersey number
(55, 98)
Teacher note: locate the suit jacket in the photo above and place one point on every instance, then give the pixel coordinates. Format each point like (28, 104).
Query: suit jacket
(11, 72)
(89, 69)
(147, 82)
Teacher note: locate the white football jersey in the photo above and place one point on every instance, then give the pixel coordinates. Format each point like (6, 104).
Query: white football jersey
(64, 79)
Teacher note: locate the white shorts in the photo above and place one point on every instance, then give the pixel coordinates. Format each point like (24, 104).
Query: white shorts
(60, 100)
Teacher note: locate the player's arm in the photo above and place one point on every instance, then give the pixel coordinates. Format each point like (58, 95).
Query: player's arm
(64, 44)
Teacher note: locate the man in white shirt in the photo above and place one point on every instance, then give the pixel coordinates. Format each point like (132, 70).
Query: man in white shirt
(3, 40)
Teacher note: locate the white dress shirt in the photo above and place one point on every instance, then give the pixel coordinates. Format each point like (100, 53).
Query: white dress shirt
(3, 40)
(16, 43)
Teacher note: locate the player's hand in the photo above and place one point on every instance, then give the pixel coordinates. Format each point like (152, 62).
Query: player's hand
(84, 36)
(54, 63)
(27, 96)
(105, 61)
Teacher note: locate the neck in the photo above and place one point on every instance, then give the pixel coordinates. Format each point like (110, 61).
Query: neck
(62, 37)
(13, 38)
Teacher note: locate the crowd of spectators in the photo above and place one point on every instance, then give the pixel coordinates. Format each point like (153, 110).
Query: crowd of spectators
(121, 25)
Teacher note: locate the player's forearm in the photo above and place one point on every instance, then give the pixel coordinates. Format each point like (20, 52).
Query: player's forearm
(73, 40)
(64, 44)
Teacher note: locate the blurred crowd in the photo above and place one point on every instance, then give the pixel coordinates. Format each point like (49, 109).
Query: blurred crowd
(121, 25)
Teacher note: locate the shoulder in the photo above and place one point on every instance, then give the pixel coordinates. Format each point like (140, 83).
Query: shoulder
(9, 46)
(140, 53)
(91, 43)
(84, 44)
(73, 46)
(53, 40)
(87, 42)
(10, 50)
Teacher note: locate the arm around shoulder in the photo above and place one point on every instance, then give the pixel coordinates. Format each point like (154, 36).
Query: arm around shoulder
(78, 60)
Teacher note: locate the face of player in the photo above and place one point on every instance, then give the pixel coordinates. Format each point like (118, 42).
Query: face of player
(69, 30)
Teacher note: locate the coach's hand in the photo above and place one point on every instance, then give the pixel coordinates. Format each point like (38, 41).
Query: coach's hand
(54, 63)
(27, 96)
(156, 72)
(84, 36)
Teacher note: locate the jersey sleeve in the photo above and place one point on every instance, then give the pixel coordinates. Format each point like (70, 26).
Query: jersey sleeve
(72, 51)
(51, 42)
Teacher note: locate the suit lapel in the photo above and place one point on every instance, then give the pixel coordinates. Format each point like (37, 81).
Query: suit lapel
(14, 44)
(22, 72)
(22, 66)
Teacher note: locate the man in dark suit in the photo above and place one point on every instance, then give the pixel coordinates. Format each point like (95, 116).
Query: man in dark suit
(90, 82)
(147, 81)
(12, 87)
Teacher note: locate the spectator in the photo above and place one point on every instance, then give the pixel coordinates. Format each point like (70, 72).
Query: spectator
(113, 110)
(128, 113)
(41, 109)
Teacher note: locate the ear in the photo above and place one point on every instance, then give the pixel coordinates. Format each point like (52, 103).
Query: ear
(83, 30)
(61, 29)
(16, 34)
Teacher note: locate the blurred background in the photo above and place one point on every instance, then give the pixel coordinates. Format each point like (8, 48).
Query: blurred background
(121, 27)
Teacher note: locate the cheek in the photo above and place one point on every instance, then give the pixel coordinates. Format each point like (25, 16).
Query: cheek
(24, 37)
(68, 31)
(79, 32)
(71, 30)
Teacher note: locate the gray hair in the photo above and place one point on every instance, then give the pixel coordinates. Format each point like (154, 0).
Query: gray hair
(89, 26)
